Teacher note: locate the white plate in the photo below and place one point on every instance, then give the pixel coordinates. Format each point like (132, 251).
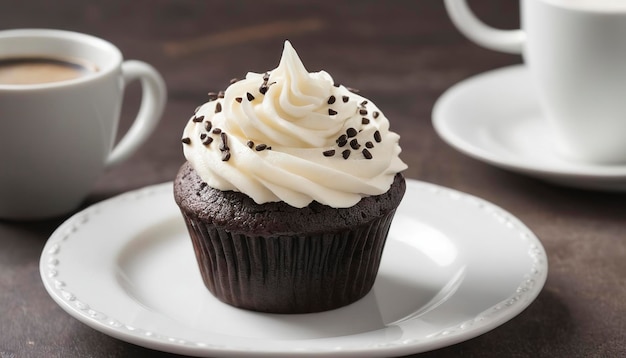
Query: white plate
(454, 267)
(495, 117)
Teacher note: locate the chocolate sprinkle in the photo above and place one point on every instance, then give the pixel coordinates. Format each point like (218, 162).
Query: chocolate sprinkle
(186, 140)
(250, 144)
(218, 107)
(208, 125)
(264, 87)
(207, 141)
(250, 96)
(351, 132)
(377, 137)
(221, 94)
(329, 153)
(345, 99)
(336, 84)
(212, 96)
(203, 135)
(354, 144)
(331, 99)
(363, 103)
(203, 185)
(225, 155)
(331, 112)
(376, 114)
(224, 145)
(198, 119)
(260, 147)
(365, 121)
(369, 144)
(345, 154)
(342, 140)
(363, 112)
(238, 99)
(216, 131)
(367, 154)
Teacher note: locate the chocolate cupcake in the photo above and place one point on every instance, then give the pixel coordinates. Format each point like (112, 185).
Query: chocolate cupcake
(289, 189)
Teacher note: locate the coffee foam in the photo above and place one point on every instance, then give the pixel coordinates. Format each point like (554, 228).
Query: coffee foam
(36, 70)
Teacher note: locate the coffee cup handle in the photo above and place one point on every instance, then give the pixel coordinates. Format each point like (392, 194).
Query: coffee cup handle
(509, 41)
(153, 100)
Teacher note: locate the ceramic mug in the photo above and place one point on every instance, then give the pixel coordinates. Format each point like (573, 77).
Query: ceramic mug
(57, 134)
(575, 51)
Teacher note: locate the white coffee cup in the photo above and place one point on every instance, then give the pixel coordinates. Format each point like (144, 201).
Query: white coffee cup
(56, 138)
(575, 51)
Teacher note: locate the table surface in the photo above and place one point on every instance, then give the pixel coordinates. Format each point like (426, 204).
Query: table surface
(401, 54)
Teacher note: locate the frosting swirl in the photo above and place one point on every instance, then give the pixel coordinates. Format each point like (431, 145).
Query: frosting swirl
(293, 136)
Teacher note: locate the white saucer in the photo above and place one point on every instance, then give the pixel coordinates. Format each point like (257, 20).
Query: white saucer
(495, 117)
(454, 267)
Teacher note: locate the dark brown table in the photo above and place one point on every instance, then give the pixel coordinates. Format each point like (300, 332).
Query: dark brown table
(401, 54)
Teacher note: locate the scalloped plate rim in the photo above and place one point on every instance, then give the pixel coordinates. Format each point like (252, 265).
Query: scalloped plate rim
(483, 322)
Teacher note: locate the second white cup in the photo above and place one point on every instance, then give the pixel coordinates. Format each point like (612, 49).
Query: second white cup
(575, 51)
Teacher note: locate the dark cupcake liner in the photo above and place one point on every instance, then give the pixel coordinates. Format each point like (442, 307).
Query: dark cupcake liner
(289, 274)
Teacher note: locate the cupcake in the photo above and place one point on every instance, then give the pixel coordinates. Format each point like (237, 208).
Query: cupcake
(289, 189)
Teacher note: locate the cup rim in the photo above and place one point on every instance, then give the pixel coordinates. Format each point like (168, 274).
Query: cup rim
(66, 35)
(611, 7)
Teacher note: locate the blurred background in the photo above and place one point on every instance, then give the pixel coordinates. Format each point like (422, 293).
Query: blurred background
(402, 54)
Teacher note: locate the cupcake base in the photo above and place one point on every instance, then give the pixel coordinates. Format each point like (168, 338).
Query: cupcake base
(282, 264)
(290, 274)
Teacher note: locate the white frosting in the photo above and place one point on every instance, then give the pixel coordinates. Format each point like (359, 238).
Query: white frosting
(294, 118)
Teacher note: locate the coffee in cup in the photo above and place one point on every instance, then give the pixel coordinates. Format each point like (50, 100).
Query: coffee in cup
(34, 70)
